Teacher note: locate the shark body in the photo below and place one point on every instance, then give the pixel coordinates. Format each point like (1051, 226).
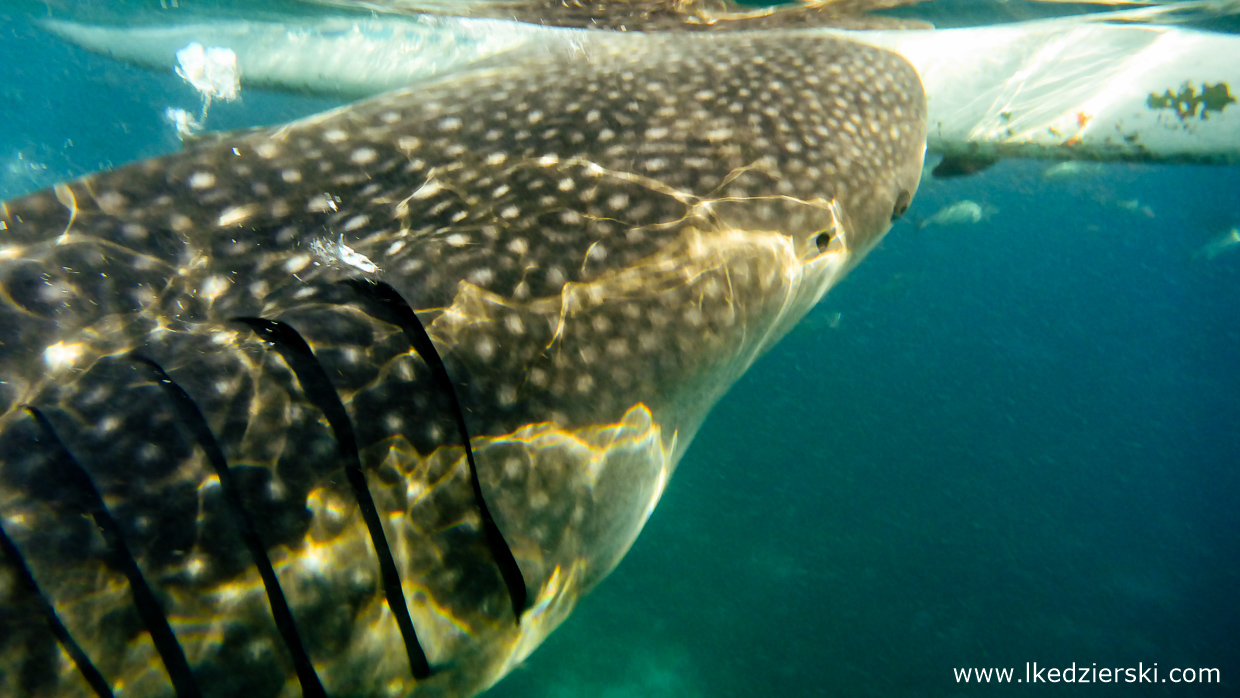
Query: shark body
(229, 461)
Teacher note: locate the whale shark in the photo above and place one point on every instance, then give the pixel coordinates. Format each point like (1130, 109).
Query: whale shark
(364, 403)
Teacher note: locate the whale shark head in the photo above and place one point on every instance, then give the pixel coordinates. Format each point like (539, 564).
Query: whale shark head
(239, 380)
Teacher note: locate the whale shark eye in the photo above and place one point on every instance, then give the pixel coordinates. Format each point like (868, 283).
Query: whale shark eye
(903, 199)
(823, 240)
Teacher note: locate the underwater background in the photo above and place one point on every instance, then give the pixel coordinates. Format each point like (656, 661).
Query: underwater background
(1010, 441)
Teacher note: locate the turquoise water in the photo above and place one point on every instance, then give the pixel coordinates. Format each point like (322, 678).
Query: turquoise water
(1007, 442)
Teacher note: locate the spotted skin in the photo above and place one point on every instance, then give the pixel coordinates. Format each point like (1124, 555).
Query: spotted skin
(598, 245)
(657, 15)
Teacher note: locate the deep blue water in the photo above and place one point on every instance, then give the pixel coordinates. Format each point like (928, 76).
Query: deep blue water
(1020, 441)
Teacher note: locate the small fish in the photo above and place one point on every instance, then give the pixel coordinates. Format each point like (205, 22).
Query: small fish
(962, 166)
(1135, 206)
(1224, 242)
(960, 213)
(1072, 169)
